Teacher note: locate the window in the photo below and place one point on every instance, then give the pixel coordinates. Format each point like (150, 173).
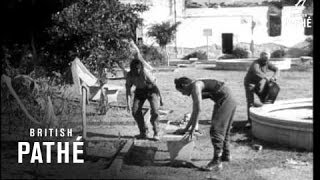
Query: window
(274, 19)
(274, 25)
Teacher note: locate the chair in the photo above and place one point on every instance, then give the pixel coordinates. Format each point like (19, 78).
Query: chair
(83, 78)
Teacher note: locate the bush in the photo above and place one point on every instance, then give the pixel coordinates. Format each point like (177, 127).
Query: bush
(93, 31)
(239, 52)
(201, 55)
(152, 54)
(278, 53)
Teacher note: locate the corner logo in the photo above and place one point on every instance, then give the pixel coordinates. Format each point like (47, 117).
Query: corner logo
(300, 3)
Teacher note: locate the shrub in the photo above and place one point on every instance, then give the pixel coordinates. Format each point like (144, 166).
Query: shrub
(152, 54)
(95, 32)
(239, 52)
(201, 55)
(278, 53)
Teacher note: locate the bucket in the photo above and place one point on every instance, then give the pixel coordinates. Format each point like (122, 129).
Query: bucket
(180, 150)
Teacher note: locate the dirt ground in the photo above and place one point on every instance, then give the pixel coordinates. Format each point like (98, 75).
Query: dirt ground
(272, 162)
(150, 160)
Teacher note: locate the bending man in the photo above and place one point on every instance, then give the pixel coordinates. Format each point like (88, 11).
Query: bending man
(222, 118)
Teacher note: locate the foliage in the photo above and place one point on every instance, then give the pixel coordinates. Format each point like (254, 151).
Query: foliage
(163, 32)
(201, 55)
(239, 52)
(152, 54)
(94, 31)
(16, 59)
(278, 53)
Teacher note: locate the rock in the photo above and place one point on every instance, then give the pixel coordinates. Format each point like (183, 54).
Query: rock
(257, 147)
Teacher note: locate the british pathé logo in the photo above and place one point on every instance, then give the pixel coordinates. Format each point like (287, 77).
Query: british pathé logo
(307, 18)
(300, 3)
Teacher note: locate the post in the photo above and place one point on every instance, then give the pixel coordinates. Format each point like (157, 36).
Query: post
(207, 33)
(175, 21)
(83, 113)
(167, 54)
(207, 49)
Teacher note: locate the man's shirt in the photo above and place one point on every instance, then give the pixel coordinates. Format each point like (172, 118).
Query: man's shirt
(257, 71)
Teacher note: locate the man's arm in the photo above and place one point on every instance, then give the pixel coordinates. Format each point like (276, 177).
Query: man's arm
(149, 77)
(196, 108)
(128, 92)
(125, 72)
(139, 56)
(257, 71)
(274, 69)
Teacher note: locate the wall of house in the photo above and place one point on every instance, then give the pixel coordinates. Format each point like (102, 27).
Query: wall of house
(236, 20)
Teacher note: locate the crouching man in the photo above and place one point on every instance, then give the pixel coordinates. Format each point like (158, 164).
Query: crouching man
(146, 89)
(256, 82)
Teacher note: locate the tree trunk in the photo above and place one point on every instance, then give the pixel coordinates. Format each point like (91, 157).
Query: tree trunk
(167, 55)
(164, 52)
(252, 48)
(32, 39)
(34, 50)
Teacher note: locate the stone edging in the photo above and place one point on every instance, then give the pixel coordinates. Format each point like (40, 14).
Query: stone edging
(117, 163)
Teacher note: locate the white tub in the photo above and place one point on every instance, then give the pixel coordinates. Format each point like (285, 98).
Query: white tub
(287, 123)
(244, 64)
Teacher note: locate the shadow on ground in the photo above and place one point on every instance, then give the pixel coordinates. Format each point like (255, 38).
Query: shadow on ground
(92, 134)
(145, 156)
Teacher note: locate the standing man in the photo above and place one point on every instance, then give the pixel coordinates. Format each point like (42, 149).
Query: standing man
(146, 89)
(256, 80)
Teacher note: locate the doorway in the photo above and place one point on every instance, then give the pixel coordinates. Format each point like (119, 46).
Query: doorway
(227, 43)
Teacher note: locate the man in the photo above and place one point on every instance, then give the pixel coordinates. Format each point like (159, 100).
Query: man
(146, 89)
(256, 80)
(222, 117)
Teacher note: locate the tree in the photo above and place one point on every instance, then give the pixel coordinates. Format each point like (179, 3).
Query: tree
(23, 34)
(94, 31)
(163, 33)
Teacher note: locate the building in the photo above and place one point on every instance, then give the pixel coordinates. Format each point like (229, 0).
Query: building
(226, 24)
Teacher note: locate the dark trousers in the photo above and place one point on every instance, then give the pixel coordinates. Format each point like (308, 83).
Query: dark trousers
(140, 97)
(252, 89)
(222, 119)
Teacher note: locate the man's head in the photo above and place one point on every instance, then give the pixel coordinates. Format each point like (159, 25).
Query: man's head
(183, 85)
(264, 57)
(136, 66)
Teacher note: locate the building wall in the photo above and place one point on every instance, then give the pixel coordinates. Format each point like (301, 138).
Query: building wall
(236, 20)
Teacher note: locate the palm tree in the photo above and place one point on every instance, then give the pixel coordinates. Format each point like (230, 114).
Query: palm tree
(163, 33)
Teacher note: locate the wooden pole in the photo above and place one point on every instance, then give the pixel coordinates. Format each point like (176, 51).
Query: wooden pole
(83, 113)
(175, 21)
(207, 48)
